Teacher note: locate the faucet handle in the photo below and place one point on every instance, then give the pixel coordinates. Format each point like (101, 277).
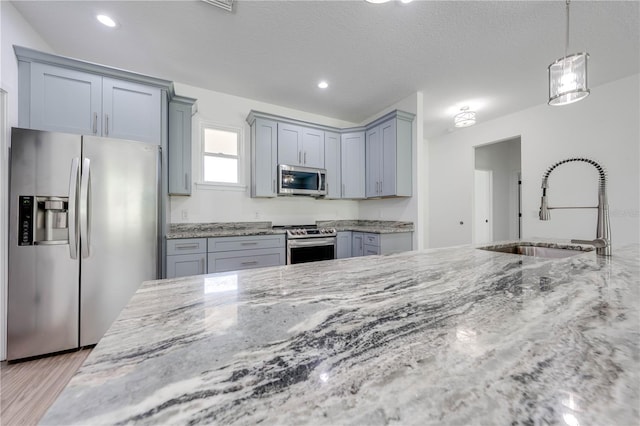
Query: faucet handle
(597, 243)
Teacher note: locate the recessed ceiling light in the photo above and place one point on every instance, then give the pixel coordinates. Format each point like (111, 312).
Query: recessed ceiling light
(405, 1)
(106, 20)
(323, 85)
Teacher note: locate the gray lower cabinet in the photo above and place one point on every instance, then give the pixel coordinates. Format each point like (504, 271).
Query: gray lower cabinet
(181, 110)
(247, 252)
(357, 244)
(343, 243)
(186, 257)
(367, 244)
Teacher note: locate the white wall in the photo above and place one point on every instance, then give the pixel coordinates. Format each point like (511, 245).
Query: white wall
(503, 159)
(405, 209)
(603, 127)
(13, 30)
(211, 205)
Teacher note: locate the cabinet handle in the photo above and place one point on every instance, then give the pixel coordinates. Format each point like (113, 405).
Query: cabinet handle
(377, 187)
(186, 181)
(342, 193)
(253, 262)
(248, 244)
(305, 157)
(274, 186)
(380, 187)
(202, 265)
(95, 123)
(299, 156)
(106, 124)
(186, 246)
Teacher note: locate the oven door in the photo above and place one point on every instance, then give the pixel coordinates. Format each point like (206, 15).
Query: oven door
(310, 249)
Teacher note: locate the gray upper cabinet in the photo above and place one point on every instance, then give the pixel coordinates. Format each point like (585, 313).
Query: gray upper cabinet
(313, 148)
(300, 146)
(388, 156)
(353, 165)
(361, 162)
(332, 164)
(130, 111)
(264, 156)
(82, 98)
(181, 110)
(289, 144)
(63, 100)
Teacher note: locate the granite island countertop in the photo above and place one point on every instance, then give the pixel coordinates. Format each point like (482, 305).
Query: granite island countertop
(236, 229)
(445, 336)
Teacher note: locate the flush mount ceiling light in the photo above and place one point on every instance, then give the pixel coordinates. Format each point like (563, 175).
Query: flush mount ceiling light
(568, 75)
(107, 21)
(464, 118)
(323, 85)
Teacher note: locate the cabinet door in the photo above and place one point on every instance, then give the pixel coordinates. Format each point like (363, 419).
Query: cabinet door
(64, 100)
(343, 242)
(289, 143)
(131, 111)
(353, 167)
(372, 165)
(357, 244)
(332, 164)
(180, 148)
(264, 158)
(313, 148)
(185, 265)
(388, 170)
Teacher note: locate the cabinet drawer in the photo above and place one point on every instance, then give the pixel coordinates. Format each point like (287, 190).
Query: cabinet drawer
(185, 265)
(244, 259)
(186, 246)
(372, 239)
(246, 243)
(371, 250)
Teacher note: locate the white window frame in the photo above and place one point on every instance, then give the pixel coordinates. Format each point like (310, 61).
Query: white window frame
(222, 186)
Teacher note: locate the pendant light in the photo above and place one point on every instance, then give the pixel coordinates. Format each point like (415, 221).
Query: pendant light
(568, 75)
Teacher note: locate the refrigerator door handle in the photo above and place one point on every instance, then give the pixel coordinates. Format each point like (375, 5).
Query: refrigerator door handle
(85, 207)
(73, 195)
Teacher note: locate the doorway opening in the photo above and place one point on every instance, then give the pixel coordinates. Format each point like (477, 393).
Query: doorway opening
(497, 211)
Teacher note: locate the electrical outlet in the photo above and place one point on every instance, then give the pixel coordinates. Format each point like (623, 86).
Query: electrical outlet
(257, 215)
(185, 214)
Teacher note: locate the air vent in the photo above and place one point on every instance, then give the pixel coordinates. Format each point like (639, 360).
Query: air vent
(224, 4)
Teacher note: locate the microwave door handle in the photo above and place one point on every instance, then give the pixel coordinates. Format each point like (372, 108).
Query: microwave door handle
(319, 180)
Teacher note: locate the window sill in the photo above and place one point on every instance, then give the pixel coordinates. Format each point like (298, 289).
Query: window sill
(221, 186)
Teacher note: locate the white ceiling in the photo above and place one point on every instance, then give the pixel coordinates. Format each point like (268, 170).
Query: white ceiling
(492, 55)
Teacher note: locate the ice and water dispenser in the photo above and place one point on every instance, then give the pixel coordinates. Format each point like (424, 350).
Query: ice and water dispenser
(43, 220)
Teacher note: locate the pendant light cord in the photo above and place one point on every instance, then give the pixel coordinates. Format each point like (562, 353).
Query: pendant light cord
(566, 44)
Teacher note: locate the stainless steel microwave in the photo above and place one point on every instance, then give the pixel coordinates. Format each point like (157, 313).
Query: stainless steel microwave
(294, 180)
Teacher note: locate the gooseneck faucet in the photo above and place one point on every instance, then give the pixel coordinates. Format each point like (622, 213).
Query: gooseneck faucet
(602, 243)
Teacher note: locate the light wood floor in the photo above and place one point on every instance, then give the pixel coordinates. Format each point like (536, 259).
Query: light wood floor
(27, 389)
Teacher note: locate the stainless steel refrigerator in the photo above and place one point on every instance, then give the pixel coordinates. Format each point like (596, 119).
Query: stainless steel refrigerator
(83, 236)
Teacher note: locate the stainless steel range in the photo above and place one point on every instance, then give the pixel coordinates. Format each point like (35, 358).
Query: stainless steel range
(308, 243)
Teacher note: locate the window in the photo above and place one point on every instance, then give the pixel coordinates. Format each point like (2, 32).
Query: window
(222, 153)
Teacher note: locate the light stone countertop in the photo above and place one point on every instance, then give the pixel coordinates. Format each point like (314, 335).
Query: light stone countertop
(236, 229)
(451, 336)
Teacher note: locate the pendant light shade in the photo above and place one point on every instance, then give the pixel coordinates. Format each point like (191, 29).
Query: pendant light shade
(568, 75)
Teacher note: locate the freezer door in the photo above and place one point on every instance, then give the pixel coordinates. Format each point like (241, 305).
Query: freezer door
(118, 209)
(43, 278)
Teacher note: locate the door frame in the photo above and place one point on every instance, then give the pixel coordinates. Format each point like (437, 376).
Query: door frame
(4, 225)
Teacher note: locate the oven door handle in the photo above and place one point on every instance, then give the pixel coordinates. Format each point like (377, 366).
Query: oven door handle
(312, 242)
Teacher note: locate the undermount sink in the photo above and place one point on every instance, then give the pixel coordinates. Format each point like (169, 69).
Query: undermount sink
(530, 249)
